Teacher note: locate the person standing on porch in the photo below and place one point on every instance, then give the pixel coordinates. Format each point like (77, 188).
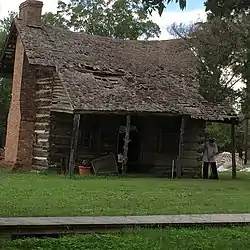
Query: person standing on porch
(210, 150)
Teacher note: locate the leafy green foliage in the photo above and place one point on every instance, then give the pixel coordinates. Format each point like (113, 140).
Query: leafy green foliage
(217, 47)
(6, 22)
(54, 20)
(236, 13)
(122, 19)
(219, 8)
(215, 42)
(214, 45)
(5, 96)
(222, 134)
(225, 8)
(159, 5)
(5, 84)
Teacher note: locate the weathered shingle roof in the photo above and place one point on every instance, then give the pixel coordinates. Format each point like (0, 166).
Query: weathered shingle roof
(105, 74)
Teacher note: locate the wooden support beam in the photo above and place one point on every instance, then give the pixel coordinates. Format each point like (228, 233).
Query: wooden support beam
(178, 165)
(246, 135)
(126, 142)
(233, 142)
(74, 142)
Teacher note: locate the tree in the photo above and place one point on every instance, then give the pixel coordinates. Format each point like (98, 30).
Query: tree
(221, 132)
(6, 22)
(214, 44)
(226, 8)
(219, 68)
(159, 5)
(237, 12)
(122, 19)
(217, 7)
(5, 84)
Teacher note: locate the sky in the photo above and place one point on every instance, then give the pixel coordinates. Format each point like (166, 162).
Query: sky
(195, 11)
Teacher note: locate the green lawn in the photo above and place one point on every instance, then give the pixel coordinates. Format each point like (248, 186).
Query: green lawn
(151, 239)
(54, 195)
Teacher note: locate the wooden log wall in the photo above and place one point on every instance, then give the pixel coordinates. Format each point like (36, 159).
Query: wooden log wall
(149, 142)
(160, 139)
(60, 139)
(161, 160)
(42, 123)
(103, 131)
(53, 121)
(103, 137)
(191, 160)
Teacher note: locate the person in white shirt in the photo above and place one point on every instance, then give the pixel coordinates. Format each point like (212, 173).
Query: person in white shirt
(210, 150)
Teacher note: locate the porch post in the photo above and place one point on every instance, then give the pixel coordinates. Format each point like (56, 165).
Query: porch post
(74, 142)
(246, 132)
(125, 147)
(178, 165)
(233, 142)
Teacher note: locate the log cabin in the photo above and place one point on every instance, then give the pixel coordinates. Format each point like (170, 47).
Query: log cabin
(76, 97)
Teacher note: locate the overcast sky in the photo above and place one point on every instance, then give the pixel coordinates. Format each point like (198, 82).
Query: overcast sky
(195, 11)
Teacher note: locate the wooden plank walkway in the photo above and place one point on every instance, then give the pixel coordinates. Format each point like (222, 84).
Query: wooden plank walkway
(69, 225)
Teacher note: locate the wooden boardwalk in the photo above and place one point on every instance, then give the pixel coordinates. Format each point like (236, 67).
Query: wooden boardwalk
(71, 225)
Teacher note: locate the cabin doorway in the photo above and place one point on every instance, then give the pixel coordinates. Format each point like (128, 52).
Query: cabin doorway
(133, 147)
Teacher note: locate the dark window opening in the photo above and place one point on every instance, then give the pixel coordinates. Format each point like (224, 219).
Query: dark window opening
(108, 139)
(85, 139)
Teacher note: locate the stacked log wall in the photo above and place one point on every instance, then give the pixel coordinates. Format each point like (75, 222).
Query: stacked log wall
(191, 160)
(53, 122)
(60, 140)
(41, 144)
(153, 157)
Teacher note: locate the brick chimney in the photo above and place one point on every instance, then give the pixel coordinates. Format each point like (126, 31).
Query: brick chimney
(30, 12)
(21, 118)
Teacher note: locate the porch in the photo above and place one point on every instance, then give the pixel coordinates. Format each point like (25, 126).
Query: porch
(159, 145)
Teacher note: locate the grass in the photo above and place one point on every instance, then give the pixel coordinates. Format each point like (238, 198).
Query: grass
(54, 195)
(143, 239)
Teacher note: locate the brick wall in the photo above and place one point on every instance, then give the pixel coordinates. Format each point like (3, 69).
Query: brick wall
(20, 128)
(14, 117)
